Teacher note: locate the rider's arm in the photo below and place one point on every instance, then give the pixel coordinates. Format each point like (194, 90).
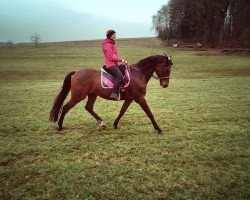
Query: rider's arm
(111, 54)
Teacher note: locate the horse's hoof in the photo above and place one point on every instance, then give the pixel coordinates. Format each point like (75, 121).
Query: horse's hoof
(60, 128)
(102, 124)
(160, 132)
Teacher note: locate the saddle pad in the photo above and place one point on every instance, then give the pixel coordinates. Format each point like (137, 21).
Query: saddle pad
(107, 80)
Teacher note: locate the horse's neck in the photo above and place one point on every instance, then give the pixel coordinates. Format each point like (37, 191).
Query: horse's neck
(146, 71)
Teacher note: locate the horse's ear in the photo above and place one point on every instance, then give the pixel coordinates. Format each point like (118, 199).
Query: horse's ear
(166, 56)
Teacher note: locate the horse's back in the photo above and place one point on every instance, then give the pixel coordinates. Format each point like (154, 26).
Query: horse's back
(86, 74)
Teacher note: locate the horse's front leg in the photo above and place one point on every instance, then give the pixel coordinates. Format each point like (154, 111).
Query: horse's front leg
(122, 111)
(142, 102)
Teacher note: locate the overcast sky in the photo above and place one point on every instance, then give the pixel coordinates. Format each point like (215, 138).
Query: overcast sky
(70, 20)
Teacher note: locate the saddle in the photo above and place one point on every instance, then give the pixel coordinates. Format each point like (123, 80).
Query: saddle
(107, 79)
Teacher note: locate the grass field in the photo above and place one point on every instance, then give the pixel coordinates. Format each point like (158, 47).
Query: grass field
(203, 154)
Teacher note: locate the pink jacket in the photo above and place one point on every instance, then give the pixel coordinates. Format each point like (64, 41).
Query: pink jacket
(110, 53)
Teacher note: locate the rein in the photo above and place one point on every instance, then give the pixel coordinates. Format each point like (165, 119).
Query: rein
(159, 78)
(153, 76)
(134, 67)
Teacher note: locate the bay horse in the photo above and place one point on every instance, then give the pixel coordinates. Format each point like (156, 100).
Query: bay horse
(87, 82)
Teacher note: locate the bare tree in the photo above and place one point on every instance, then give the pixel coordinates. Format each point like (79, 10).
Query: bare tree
(35, 39)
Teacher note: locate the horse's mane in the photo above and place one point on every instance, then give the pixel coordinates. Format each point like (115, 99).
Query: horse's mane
(150, 59)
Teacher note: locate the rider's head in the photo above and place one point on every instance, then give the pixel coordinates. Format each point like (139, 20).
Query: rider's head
(111, 34)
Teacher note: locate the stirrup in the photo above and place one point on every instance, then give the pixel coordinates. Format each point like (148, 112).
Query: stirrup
(115, 96)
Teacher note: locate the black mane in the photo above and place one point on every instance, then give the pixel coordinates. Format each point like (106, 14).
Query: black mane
(150, 59)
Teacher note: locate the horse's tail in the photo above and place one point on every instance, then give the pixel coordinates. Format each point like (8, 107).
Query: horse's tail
(58, 103)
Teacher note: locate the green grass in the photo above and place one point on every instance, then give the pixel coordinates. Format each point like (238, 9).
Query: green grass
(204, 153)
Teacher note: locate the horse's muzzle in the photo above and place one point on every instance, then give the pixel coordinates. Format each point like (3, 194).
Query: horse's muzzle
(164, 83)
(164, 86)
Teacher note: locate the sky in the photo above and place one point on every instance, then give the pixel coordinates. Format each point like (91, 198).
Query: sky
(72, 20)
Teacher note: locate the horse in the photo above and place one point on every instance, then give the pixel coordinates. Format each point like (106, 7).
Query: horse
(87, 83)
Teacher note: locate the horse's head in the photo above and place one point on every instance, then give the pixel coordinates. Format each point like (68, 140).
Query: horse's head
(163, 71)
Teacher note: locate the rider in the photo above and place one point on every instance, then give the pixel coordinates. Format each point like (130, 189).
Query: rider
(112, 58)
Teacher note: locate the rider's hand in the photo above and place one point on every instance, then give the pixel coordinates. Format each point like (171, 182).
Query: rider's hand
(124, 61)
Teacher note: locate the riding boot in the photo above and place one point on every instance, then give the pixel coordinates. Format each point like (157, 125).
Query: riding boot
(115, 71)
(116, 91)
(115, 95)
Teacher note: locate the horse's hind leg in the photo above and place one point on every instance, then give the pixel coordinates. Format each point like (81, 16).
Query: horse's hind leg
(66, 109)
(89, 107)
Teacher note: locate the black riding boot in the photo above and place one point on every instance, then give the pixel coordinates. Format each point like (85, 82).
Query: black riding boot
(116, 91)
(115, 71)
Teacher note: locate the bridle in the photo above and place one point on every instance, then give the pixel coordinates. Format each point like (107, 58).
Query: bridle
(159, 78)
(153, 76)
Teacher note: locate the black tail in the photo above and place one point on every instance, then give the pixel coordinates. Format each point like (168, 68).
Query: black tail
(58, 103)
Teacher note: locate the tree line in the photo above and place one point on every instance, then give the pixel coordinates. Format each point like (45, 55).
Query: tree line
(214, 23)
